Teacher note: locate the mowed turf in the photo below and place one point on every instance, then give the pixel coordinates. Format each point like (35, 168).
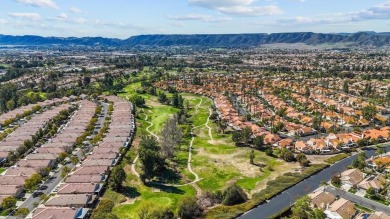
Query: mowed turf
(218, 162)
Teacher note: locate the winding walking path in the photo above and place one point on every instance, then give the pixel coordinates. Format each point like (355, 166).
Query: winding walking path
(207, 124)
(197, 179)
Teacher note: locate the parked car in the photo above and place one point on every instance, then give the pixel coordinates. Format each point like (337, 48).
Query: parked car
(37, 193)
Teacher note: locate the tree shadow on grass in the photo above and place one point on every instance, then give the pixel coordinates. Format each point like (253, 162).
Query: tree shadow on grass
(170, 176)
(167, 189)
(130, 192)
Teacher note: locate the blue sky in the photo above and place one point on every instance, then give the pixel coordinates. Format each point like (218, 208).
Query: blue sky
(124, 18)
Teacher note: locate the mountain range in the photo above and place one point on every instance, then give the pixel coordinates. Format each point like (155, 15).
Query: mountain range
(359, 39)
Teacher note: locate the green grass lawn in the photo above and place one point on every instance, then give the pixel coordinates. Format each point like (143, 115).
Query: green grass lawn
(217, 162)
(2, 170)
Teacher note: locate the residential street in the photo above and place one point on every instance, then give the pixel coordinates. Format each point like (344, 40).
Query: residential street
(359, 200)
(288, 197)
(52, 183)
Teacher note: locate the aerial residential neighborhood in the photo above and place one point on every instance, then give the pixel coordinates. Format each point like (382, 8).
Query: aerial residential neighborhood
(194, 109)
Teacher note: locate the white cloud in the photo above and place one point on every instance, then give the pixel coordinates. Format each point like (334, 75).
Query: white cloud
(213, 4)
(39, 3)
(309, 20)
(381, 11)
(3, 21)
(296, 0)
(75, 10)
(178, 24)
(79, 20)
(28, 16)
(252, 11)
(378, 12)
(199, 17)
(237, 7)
(62, 16)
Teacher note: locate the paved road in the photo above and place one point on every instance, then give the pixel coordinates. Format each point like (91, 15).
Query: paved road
(359, 200)
(31, 202)
(51, 184)
(288, 197)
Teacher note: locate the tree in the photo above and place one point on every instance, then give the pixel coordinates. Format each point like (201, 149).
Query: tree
(162, 98)
(223, 124)
(336, 180)
(151, 158)
(103, 210)
(86, 80)
(252, 157)
(22, 212)
(287, 155)
(118, 175)
(307, 92)
(303, 210)
(62, 156)
(234, 195)
(371, 192)
(346, 87)
(65, 171)
(189, 208)
(171, 136)
(360, 161)
(177, 100)
(242, 136)
(369, 112)
(74, 160)
(138, 101)
(303, 161)
(28, 144)
(269, 152)
(8, 202)
(33, 181)
(11, 104)
(258, 141)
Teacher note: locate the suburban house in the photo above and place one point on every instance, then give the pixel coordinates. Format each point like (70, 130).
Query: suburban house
(76, 201)
(63, 213)
(321, 199)
(343, 207)
(351, 177)
(376, 182)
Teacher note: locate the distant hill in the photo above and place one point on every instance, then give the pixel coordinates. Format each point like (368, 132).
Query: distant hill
(358, 39)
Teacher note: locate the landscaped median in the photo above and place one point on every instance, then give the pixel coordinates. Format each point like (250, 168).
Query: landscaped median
(273, 188)
(337, 158)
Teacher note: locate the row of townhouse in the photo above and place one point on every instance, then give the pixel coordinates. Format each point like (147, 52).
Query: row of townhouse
(80, 191)
(13, 179)
(5, 148)
(337, 142)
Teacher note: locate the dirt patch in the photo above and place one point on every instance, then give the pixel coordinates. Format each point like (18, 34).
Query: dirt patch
(222, 157)
(154, 103)
(216, 142)
(280, 170)
(130, 201)
(318, 159)
(246, 169)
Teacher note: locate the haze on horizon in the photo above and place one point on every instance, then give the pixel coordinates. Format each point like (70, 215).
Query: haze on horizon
(125, 18)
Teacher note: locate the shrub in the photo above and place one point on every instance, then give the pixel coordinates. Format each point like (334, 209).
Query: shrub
(234, 195)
